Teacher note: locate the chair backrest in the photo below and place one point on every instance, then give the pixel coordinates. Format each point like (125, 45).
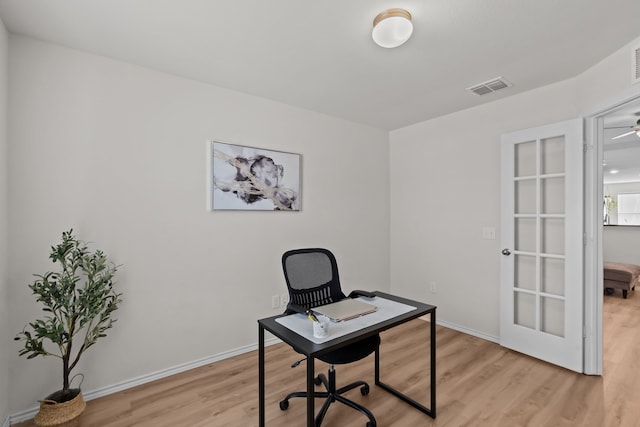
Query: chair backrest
(312, 277)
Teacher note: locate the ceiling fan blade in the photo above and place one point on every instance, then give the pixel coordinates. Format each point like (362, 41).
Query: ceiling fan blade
(624, 134)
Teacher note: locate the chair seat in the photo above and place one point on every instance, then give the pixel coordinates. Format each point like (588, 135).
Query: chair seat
(352, 352)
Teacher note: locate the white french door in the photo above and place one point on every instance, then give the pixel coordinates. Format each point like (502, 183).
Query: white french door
(541, 273)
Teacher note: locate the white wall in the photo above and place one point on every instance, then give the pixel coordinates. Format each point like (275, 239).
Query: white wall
(445, 189)
(604, 85)
(118, 153)
(621, 244)
(607, 82)
(5, 332)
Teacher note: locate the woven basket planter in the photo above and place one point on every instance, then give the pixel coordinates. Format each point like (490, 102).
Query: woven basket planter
(53, 413)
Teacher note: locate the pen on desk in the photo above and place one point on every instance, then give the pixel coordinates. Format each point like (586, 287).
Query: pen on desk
(312, 316)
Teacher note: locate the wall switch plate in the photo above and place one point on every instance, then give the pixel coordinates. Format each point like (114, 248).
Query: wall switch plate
(433, 287)
(275, 301)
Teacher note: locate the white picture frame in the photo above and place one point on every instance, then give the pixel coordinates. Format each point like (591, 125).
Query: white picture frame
(252, 179)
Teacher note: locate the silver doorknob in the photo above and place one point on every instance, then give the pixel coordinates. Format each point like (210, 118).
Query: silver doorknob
(506, 252)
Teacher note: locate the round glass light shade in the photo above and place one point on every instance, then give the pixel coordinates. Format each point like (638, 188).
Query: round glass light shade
(392, 28)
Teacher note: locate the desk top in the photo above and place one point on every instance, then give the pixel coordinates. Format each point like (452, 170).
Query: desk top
(309, 348)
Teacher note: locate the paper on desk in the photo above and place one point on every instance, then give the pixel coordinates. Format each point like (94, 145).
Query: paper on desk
(387, 309)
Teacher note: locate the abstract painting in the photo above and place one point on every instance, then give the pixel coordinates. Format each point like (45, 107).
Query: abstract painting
(248, 178)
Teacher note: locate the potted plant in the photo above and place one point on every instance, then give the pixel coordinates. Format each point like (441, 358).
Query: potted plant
(609, 204)
(79, 301)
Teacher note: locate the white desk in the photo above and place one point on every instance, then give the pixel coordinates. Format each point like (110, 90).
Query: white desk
(386, 309)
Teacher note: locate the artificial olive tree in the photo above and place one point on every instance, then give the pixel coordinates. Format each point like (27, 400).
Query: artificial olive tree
(79, 300)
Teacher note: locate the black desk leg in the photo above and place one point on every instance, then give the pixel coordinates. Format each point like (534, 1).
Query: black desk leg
(261, 376)
(310, 392)
(432, 375)
(432, 319)
(376, 378)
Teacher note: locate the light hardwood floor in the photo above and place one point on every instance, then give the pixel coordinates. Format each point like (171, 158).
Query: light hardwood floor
(478, 384)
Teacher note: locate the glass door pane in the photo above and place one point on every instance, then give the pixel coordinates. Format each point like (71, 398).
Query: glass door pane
(539, 229)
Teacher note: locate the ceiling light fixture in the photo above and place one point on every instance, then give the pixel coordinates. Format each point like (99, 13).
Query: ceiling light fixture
(392, 28)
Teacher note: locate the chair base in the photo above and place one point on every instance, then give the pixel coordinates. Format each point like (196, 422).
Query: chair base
(333, 395)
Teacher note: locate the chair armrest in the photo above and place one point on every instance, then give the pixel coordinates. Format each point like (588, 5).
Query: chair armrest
(360, 293)
(294, 308)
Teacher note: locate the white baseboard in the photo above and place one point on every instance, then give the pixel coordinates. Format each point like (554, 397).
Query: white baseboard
(468, 331)
(94, 394)
(463, 329)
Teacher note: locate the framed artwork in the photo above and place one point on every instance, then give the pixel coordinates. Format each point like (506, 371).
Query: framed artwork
(248, 178)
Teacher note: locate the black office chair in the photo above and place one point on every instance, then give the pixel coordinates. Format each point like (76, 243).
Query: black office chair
(312, 280)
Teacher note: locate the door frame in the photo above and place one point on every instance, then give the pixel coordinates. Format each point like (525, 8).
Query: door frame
(593, 236)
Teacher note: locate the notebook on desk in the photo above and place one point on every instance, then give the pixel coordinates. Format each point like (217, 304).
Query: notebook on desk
(345, 309)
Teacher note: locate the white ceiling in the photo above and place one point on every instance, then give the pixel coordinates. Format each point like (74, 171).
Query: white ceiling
(319, 55)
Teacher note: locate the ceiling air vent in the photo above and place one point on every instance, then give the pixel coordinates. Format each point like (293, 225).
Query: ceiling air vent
(489, 86)
(635, 64)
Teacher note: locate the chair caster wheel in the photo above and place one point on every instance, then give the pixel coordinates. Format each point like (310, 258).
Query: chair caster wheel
(370, 424)
(284, 405)
(317, 380)
(364, 390)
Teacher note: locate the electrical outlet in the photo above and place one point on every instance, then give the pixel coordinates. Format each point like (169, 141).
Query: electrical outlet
(489, 233)
(275, 301)
(284, 299)
(434, 288)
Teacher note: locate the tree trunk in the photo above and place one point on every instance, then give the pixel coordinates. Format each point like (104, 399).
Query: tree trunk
(65, 372)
